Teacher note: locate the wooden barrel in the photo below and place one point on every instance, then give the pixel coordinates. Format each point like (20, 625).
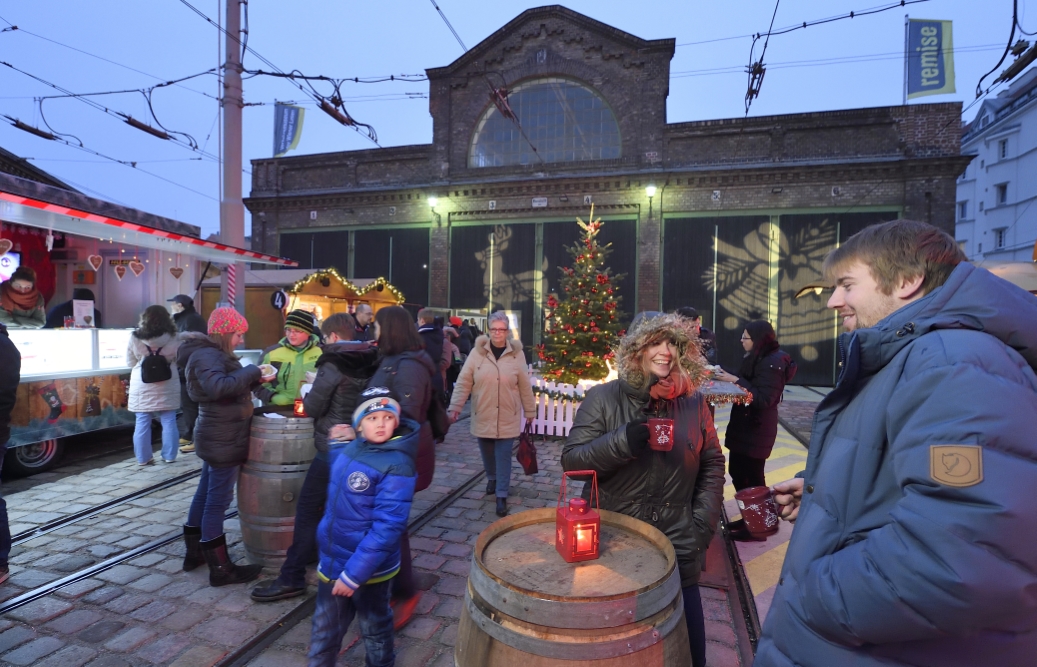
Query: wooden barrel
(279, 454)
(526, 607)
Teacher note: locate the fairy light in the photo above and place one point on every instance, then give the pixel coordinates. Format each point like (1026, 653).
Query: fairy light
(385, 285)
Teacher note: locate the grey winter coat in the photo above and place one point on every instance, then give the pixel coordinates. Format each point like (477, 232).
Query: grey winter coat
(410, 376)
(154, 396)
(222, 389)
(915, 542)
(679, 491)
(342, 373)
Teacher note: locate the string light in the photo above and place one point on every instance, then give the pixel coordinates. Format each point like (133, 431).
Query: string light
(384, 284)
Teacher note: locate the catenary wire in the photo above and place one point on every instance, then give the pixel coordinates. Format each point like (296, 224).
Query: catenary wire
(447, 21)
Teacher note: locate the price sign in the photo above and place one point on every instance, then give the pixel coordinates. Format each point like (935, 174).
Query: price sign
(279, 300)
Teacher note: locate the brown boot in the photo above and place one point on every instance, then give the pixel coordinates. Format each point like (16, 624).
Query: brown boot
(222, 571)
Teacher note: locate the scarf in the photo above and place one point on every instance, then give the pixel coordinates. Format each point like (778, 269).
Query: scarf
(664, 390)
(11, 300)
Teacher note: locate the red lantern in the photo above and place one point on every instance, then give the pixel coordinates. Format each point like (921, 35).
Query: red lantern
(578, 526)
(299, 410)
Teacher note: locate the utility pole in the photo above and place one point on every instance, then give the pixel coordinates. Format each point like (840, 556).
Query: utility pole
(232, 210)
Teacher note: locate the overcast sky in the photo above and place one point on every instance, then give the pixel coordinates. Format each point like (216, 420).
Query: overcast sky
(87, 47)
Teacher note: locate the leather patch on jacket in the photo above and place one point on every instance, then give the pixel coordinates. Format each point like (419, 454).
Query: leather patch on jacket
(956, 465)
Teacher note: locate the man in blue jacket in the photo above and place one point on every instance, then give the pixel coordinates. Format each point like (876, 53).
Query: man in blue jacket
(915, 524)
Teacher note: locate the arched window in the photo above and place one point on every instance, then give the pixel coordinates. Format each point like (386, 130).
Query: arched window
(566, 121)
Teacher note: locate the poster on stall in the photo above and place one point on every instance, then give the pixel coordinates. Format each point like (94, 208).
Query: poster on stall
(57, 408)
(83, 311)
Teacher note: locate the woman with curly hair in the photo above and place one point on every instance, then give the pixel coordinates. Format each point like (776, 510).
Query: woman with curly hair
(679, 491)
(156, 335)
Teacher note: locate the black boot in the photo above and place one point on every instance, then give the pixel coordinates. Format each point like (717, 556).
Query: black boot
(275, 590)
(502, 507)
(491, 487)
(222, 572)
(192, 538)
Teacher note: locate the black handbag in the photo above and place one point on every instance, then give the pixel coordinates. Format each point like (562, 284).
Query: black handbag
(438, 419)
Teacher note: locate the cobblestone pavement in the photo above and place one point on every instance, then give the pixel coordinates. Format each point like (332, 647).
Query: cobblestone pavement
(148, 612)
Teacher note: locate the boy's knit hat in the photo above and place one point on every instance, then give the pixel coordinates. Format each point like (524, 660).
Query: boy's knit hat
(301, 320)
(227, 320)
(375, 399)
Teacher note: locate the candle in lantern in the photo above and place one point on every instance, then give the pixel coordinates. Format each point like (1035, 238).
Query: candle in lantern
(299, 410)
(577, 524)
(584, 539)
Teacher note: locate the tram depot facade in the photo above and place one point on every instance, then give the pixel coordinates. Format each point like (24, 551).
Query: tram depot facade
(742, 214)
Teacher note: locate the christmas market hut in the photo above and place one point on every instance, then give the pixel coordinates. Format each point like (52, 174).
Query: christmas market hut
(322, 292)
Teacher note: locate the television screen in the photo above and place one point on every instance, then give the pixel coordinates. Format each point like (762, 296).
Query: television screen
(8, 263)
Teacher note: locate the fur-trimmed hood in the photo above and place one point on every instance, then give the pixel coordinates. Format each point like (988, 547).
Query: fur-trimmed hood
(647, 331)
(482, 345)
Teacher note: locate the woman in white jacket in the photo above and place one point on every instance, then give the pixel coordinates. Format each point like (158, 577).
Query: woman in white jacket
(155, 335)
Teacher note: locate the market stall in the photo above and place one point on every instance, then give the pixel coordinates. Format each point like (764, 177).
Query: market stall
(322, 292)
(74, 380)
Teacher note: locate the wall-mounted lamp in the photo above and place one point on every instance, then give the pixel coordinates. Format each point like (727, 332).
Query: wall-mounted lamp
(432, 203)
(650, 191)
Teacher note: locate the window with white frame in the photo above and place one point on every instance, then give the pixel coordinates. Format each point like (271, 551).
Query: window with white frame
(999, 237)
(1002, 193)
(963, 210)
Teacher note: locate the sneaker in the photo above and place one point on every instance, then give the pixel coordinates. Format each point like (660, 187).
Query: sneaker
(146, 463)
(5, 573)
(186, 449)
(168, 460)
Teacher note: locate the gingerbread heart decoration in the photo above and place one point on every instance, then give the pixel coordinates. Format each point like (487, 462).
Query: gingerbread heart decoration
(5, 245)
(120, 271)
(137, 268)
(95, 261)
(176, 272)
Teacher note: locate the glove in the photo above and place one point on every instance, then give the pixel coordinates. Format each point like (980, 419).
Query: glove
(637, 435)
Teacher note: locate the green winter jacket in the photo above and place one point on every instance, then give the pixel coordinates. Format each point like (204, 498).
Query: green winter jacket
(292, 364)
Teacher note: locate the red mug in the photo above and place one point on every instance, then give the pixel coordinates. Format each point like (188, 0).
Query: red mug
(759, 511)
(660, 434)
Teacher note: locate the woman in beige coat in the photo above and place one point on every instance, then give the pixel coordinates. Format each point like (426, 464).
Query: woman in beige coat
(495, 375)
(154, 400)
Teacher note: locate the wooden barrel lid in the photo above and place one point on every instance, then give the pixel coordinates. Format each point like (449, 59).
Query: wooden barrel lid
(526, 558)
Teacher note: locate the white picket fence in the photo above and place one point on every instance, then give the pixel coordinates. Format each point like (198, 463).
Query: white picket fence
(554, 415)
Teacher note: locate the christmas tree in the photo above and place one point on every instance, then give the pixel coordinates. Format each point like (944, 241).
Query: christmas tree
(582, 323)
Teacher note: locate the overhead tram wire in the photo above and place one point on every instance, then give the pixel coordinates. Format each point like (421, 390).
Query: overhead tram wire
(13, 27)
(332, 106)
(447, 21)
(757, 70)
(190, 144)
(807, 24)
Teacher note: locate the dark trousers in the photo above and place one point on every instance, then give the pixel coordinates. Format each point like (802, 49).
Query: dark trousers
(334, 614)
(308, 513)
(745, 471)
(211, 499)
(5, 527)
(696, 625)
(190, 410)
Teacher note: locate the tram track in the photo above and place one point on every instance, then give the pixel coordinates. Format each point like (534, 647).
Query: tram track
(86, 573)
(75, 517)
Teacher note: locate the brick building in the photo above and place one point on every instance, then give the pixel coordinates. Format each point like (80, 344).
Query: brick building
(743, 209)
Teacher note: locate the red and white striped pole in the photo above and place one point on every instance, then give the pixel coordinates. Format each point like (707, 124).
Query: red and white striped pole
(232, 284)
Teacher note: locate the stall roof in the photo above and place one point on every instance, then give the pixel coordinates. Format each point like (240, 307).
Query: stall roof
(38, 205)
(283, 278)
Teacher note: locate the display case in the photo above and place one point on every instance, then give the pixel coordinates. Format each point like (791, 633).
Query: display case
(72, 381)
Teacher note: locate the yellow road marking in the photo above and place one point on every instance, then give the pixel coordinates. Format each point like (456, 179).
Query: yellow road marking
(764, 570)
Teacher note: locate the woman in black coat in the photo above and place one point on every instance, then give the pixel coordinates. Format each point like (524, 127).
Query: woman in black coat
(222, 388)
(752, 429)
(407, 369)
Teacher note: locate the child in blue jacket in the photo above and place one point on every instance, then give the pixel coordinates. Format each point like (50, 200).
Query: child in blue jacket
(369, 499)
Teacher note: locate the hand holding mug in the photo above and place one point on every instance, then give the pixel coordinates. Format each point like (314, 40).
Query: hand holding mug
(788, 495)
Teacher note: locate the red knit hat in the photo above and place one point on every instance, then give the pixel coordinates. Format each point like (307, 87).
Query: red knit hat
(227, 320)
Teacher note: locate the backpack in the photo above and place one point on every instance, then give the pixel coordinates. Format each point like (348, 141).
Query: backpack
(154, 367)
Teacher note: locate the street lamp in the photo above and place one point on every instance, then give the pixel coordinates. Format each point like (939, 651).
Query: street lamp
(432, 202)
(650, 191)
